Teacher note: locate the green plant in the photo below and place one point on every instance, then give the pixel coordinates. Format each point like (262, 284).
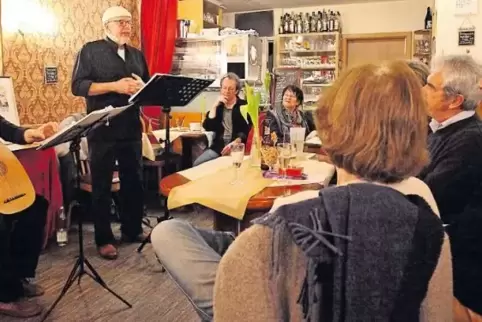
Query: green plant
(252, 109)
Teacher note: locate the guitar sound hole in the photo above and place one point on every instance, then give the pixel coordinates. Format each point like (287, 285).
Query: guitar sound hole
(3, 169)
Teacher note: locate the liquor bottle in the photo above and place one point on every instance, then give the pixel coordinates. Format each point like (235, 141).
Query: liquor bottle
(319, 24)
(428, 19)
(292, 23)
(331, 21)
(62, 237)
(337, 21)
(324, 21)
(313, 22)
(266, 139)
(286, 28)
(299, 24)
(281, 25)
(306, 23)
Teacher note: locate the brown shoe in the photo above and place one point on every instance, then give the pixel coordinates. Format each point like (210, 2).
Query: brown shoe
(108, 251)
(31, 289)
(137, 239)
(20, 309)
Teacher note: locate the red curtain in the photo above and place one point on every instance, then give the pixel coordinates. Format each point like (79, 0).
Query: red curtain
(158, 37)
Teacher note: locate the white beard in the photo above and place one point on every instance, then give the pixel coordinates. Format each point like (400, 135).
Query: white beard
(120, 41)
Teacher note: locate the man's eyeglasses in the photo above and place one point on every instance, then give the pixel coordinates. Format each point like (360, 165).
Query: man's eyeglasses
(123, 23)
(228, 89)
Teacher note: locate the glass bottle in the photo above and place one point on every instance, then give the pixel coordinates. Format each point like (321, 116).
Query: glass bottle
(62, 228)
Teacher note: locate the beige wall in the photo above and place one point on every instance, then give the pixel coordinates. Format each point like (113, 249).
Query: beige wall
(389, 16)
(25, 55)
(447, 30)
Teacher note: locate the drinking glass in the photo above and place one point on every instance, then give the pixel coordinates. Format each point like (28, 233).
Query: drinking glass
(179, 122)
(285, 155)
(237, 156)
(297, 139)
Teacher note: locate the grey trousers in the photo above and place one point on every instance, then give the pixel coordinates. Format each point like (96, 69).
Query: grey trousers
(191, 257)
(206, 156)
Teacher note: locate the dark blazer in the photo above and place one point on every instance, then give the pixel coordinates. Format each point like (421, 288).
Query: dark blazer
(11, 133)
(241, 128)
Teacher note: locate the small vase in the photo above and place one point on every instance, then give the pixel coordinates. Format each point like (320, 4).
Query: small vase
(255, 155)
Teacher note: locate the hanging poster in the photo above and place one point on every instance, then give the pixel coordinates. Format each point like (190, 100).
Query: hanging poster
(8, 104)
(466, 37)
(466, 7)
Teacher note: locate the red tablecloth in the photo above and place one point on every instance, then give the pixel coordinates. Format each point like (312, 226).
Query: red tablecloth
(42, 168)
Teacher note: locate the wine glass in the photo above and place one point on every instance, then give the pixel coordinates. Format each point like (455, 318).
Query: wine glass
(179, 122)
(285, 155)
(237, 156)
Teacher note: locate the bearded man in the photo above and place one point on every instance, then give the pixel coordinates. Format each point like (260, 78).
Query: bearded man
(107, 72)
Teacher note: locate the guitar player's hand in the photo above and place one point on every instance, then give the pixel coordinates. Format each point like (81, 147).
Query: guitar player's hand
(41, 133)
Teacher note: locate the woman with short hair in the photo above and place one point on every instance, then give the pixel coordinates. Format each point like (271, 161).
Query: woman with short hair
(289, 114)
(371, 248)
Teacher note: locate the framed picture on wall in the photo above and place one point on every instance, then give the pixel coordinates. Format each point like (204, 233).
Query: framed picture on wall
(8, 105)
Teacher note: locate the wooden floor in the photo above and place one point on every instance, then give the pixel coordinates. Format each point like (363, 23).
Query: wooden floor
(136, 277)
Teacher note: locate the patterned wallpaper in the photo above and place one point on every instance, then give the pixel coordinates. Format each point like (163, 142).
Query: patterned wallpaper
(24, 57)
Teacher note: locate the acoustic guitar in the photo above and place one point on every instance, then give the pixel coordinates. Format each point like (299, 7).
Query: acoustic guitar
(16, 190)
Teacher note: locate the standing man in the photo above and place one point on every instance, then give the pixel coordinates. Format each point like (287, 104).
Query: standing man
(107, 72)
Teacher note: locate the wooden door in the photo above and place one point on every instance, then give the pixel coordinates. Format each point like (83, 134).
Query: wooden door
(373, 48)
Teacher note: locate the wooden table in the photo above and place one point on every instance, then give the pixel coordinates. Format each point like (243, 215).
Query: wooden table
(258, 205)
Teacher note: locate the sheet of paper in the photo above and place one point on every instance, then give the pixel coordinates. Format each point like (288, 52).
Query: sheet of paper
(17, 147)
(89, 119)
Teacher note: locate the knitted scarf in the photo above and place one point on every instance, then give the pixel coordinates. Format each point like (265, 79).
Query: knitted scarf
(286, 120)
(371, 252)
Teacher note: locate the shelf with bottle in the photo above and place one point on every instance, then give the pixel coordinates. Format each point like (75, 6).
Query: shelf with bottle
(198, 57)
(310, 52)
(313, 84)
(320, 21)
(422, 45)
(317, 78)
(310, 62)
(212, 15)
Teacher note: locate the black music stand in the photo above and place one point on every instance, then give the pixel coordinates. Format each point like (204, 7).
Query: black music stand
(74, 134)
(168, 91)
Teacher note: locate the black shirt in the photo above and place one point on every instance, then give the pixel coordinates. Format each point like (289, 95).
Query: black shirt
(11, 133)
(454, 176)
(99, 62)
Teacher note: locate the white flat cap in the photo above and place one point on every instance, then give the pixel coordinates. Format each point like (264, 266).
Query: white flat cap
(116, 12)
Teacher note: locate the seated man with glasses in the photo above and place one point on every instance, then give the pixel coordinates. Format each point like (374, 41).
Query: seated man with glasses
(225, 120)
(455, 171)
